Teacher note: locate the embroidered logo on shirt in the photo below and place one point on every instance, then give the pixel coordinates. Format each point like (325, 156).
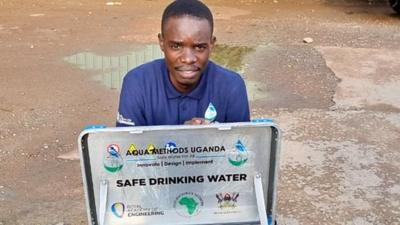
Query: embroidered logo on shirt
(211, 113)
(126, 121)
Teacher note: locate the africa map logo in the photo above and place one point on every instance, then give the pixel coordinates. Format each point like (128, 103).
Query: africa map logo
(239, 156)
(113, 161)
(188, 204)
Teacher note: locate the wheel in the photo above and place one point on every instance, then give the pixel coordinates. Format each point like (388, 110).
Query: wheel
(395, 4)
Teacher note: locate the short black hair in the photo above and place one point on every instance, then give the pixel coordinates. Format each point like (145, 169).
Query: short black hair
(195, 8)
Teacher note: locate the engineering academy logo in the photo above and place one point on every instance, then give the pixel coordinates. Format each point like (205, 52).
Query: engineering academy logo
(118, 209)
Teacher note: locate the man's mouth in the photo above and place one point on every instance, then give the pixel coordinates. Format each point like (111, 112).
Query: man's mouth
(187, 68)
(187, 72)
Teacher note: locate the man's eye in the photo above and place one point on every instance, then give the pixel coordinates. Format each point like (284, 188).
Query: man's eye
(200, 47)
(175, 46)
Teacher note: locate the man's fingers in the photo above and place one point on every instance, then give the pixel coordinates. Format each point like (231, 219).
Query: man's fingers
(197, 121)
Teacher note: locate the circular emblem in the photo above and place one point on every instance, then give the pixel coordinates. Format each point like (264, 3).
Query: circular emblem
(170, 146)
(113, 161)
(239, 156)
(188, 204)
(118, 209)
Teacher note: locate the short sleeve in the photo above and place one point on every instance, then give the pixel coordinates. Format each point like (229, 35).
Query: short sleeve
(238, 105)
(131, 103)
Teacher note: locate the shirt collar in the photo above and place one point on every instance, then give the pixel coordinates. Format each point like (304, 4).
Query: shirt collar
(197, 93)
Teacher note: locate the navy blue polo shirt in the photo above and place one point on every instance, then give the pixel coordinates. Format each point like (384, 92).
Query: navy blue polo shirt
(149, 98)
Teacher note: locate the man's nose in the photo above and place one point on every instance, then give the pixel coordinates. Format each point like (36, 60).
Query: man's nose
(188, 56)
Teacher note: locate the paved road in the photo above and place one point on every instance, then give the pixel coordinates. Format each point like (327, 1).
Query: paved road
(340, 154)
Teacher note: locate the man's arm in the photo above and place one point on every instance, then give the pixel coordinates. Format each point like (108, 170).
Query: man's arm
(131, 104)
(238, 104)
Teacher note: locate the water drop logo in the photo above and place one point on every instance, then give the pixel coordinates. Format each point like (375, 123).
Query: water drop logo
(113, 161)
(118, 209)
(170, 146)
(211, 113)
(239, 156)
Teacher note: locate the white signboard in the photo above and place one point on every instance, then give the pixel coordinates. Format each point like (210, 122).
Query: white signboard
(168, 175)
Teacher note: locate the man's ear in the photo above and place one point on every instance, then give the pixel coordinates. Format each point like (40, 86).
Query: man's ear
(213, 41)
(161, 41)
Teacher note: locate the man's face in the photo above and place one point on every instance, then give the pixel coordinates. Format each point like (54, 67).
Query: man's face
(186, 42)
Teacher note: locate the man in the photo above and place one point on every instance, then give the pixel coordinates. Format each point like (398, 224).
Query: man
(184, 87)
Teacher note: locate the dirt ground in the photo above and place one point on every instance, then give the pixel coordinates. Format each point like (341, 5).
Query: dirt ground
(336, 99)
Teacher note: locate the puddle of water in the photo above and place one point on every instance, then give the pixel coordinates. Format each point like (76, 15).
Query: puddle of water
(231, 57)
(112, 69)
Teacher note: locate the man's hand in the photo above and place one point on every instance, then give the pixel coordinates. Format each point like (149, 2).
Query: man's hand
(197, 121)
